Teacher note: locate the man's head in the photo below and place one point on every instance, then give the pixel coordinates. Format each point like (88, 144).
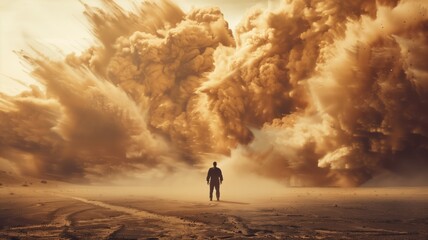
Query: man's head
(215, 164)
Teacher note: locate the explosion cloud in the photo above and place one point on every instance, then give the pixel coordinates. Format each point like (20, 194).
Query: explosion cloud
(313, 93)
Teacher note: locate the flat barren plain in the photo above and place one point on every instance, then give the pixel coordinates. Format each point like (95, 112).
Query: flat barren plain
(51, 211)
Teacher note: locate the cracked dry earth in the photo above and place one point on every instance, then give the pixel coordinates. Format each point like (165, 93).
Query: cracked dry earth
(33, 214)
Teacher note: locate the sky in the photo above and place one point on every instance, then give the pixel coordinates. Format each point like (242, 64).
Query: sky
(26, 22)
(302, 93)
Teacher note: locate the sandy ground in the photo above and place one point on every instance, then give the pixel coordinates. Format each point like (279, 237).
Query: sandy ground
(49, 212)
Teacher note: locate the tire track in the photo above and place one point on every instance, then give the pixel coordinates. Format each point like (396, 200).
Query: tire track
(174, 227)
(139, 213)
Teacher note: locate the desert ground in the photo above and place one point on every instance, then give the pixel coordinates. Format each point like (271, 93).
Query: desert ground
(51, 211)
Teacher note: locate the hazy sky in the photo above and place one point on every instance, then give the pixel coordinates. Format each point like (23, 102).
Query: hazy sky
(61, 25)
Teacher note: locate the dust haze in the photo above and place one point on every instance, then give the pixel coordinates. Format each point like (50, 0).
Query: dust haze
(312, 93)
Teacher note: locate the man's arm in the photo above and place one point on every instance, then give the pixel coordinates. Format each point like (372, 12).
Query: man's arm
(208, 176)
(221, 176)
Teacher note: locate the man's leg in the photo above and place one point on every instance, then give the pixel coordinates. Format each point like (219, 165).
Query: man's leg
(211, 191)
(217, 191)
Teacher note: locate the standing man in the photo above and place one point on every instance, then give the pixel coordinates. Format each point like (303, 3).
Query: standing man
(214, 179)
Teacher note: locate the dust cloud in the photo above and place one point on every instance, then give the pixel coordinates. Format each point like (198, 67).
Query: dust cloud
(312, 93)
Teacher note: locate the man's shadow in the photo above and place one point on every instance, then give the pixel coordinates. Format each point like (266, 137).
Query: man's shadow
(232, 202)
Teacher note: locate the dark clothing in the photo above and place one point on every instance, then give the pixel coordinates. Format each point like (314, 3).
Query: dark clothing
(214, 177)
(217, 190)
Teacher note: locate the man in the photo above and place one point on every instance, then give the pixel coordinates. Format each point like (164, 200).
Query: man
(214, 179)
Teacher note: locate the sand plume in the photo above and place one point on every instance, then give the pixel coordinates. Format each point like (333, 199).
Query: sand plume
(311, 93)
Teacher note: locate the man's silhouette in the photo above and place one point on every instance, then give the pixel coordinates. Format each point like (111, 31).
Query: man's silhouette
(214, 179)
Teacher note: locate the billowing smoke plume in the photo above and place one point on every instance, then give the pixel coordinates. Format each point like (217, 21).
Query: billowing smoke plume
(311, 93)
